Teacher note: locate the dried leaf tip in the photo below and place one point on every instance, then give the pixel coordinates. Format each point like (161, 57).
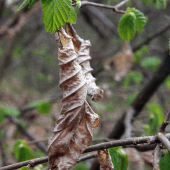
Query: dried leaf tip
(105, 160)
(74, 128)
(82, 47)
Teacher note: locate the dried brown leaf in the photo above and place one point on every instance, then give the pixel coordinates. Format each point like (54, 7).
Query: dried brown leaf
(123, 61)
(83, 48)
(73, 130)
(105, 160)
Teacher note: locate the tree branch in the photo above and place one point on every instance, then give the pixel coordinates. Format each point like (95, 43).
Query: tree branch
(165, 122)
(144, 95)
(155, 157)
(162, 138)
(114, 8)
(106, 145)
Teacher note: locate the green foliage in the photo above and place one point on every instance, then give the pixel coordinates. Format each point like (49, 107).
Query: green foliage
(119, 158)
(167, 82)
(164, 162)
(131, 21)
(39, 167)
(22, 151)
(56, 13)
(7, 111)
(157, 110)
(42, 106)
(155, 119)
(140, 20)
(132, 77)
(24, 168)
(151, 62)
(126, 27)
(142, 51)
(27, 2)
(147, 130)
(80, 166)
(159, 3)
(131, 98)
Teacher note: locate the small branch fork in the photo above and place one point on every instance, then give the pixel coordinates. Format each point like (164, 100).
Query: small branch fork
(114, 8)
(128, 141)
(163, 139)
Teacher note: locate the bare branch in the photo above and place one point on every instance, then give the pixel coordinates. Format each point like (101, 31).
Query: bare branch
(114, 8)
(106, 145)
(165, 122)
(155, 157)
(162, 138)
(21, 129)
(128, 122)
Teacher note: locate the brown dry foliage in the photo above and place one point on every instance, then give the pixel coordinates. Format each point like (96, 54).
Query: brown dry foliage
(73, 130)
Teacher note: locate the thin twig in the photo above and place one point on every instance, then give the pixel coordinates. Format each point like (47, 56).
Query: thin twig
(162, 138)
(155, 157)
(128, 123)
(15, 121)
(106, 145)
(165, 122)
(114, 8)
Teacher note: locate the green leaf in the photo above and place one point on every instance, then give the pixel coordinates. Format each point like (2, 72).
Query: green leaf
(134, 77)
(2, 115)
(160, 3)
(164, 162)
(27, 2)
(24, 168)
(147, 129)
(39, 167)
(22, 151)
(151, 62)
(56, 13)
(167, 82)
(119, 157)
(138, 54)
(42, 106)
(80, 166)
(140, 20)
(4, 111)
(156, 110)
(126, 27)
(72, 17)
(153, 124)
(131, 98)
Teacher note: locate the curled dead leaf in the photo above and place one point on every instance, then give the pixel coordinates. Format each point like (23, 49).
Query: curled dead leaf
(82, 47)
(105, 160)
(73, 130)
(123, 61)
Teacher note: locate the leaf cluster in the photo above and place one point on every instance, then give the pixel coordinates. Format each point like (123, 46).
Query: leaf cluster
(133, 20)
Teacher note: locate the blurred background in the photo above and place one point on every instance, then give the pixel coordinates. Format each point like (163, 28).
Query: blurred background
(30, 98)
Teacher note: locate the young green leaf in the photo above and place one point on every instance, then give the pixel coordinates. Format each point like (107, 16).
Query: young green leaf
(4, 111)
(23, 168)
(164, 162)
(27, 2)
(140, 20)
(56, 13)
(81, 166)
(72, 17)
(22, 151)
(126, 27)
(150, 62)
(2, 115)
(156, 110)
(42, 106)
(160, 3)
(119, 157)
